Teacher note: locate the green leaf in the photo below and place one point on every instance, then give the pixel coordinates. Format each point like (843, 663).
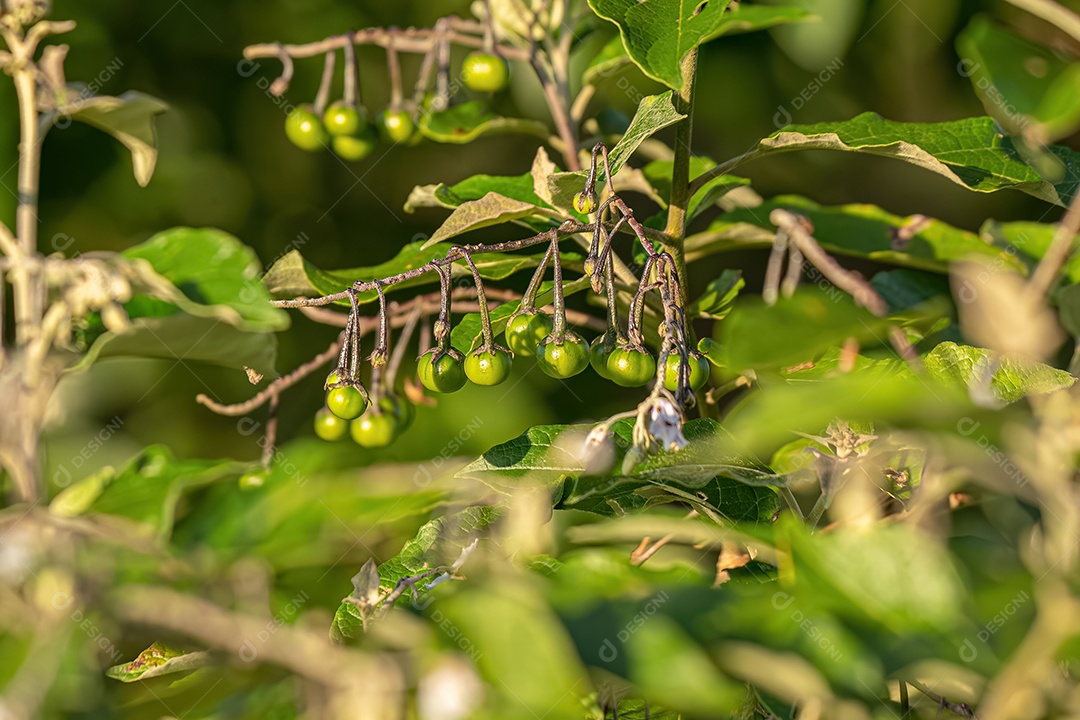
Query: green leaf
(547, 455)
(659, 172)
(719, 297)
(857, 230)
(128, 118)
(146, 491)
(905, 289)
(197, 298)
(515, 187)
(953, 364)
(970, 152)
(796, 329)
(293, 275)
(469, 121)
(654, 113)
(667, 664)
(658, 34)
(491, 209)
(157, 660)
(1021, 82)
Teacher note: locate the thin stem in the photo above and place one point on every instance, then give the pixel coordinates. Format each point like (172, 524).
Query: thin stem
(412, 40)
(559, 330)
(393, 67)
(442, 325)
(442, 77)
(615, 334)
(352, 75)
(485, 316)
(382, 343)
(1053, 13)
(402, 343)
(322, 98)
(270, 435)
(528, 300)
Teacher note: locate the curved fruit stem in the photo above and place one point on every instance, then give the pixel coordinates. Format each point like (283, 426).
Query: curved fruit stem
(559, 331)
(322, 98)
(485, 316)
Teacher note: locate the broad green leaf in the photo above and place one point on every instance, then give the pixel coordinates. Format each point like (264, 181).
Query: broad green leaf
(467, 333)
(970, 152)
(797, 329)
(491, 209)
(468, 121)
(216, 276)
(294, 276)
(157, 660)
(669, 665)
(197, 298)
(1020, 82)
(515, 187)
(906, 289)
(654, 113)
(128, 118)
(711, 452)
(896, 574)
(658, 173)
(719, 297)
(547, 455)
(498, 622)
(658, 34)
(953, 364)
(858, 230)
(146, 491)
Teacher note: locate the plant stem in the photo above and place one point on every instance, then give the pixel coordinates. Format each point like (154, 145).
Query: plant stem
(679, 200)
(28, 310)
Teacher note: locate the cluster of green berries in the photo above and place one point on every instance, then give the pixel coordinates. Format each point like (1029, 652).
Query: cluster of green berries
(346, 129)
(348, 412)
(348, 132)
(529, 334)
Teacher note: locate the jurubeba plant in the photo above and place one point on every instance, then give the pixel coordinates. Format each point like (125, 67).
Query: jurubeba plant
(825, 501)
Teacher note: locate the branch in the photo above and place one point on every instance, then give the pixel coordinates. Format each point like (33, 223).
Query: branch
(1053, 13)
(1058, 252)
(413, 40)
(453, 255)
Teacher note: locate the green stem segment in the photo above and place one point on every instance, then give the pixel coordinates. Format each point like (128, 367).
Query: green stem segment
(679, 200)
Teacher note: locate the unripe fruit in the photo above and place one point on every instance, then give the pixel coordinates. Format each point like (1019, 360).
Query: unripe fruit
(488, 367)
(699, 371)
(484, 72)
(524, 332)
(445, 374)
(631, 367)
(563, 357)
(341, 119)
(329, 426)
(305, 130)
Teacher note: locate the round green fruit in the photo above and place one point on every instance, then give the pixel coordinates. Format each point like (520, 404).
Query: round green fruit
(699, 371)
(525, 331)
(346, 402)
(631, 367)
(342, 119)
(488, 367)
(396, 126)
(484, 72)
(401, 409)
(329, 426)
(305, 130)
(374, 429)
(441, 372)
(598, 357)
(354, 148)
(563, 357)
